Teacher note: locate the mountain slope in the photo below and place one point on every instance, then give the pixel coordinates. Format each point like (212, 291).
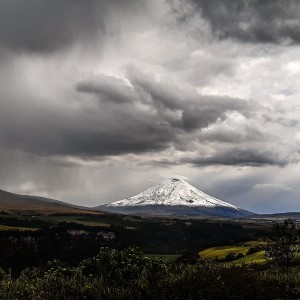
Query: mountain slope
(174, 196)
(24, 204)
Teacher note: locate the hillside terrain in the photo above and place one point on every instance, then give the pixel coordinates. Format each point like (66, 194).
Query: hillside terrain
(32, 205)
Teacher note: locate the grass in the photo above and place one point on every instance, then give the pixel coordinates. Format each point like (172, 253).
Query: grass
(62, 218)
(75, 219)
(221, 251)
(99, 220)
(44, 208)
(91, 220)
(4, 228)
(255, 258)
(255, 243)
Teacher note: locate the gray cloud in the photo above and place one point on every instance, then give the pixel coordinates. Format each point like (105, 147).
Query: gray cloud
(95, 94)
(241, 157)
(195, 110)
(46, 26)
(287, 122)
(104, 131)
(268, 21)
(168, 111)
(108, 88)
(114, 117)
(226, 134)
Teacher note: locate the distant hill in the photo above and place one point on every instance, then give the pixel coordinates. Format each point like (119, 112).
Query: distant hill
(15, 203)
(175, 196)
(286, 215)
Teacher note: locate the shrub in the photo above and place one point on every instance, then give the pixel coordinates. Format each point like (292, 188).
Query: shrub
(254, 249)
(230, 257)
(283, 244)
(127, 274)
(115, 267)
(239, 255)
(2, 274)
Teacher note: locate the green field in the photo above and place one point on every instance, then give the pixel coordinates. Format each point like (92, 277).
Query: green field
(221, 251)
(5, 228)
(55, 219)
(75, 219)
(255, 258)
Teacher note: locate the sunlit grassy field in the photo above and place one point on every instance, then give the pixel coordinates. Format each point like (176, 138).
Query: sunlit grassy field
(255, 258)
(5, 228)
(221, 251)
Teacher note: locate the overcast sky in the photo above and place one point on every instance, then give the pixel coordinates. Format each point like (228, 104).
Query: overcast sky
(102, 99)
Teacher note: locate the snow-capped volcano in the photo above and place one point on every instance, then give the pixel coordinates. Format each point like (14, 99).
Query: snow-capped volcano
(172, 192)
(174, 196)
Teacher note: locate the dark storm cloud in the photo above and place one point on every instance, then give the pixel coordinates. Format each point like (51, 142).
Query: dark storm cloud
(85, 132)
(232, 135)
(241, 157)
(264, 21)
(174, 114)
(195, 110)
(112, 117)
(43, 26)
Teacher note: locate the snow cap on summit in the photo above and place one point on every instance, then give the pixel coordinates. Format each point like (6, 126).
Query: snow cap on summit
(174, 191)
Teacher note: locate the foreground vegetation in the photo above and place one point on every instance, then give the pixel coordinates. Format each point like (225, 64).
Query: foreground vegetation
(91, 257)
(29, 241)
(127, 274)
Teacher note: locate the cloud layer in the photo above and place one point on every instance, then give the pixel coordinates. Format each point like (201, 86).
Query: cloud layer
(98, 92)
(253, 21)
(47, 26)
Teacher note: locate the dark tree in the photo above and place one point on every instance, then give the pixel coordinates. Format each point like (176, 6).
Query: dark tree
(283, 244)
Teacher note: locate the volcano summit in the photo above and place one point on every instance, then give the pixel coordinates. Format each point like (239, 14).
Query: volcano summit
(175, 196)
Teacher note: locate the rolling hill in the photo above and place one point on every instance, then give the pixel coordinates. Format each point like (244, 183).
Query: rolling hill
(15, 203)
